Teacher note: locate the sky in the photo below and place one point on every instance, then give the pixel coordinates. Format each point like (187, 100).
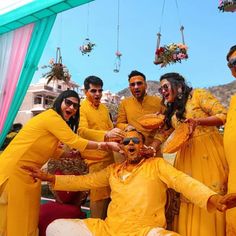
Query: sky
(208, 34)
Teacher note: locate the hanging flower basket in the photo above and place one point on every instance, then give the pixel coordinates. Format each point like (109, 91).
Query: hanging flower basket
(169, 54)
(87, 47)
(58, 71)
(117, 61)
(227, 5)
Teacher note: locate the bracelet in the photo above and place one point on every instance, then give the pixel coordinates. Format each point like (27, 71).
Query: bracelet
(154, 150)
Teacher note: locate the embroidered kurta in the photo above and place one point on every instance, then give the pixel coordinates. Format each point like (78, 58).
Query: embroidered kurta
(230, 152)
(94, 123)
(130, 110)
(138, 202)
(202, 157)
(33, 146)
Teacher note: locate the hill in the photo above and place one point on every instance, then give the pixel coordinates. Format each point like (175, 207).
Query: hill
(222, 92)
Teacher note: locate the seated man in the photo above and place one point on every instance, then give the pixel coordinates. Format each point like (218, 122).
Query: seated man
(138, 194)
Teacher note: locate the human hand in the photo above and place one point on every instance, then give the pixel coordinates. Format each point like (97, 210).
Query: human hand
(223, 203)
(115, 135)
(114, 146)
(129, 128)
(229, 200)
(214, 202)
(193, 123)
(36, 173)
(147, 151)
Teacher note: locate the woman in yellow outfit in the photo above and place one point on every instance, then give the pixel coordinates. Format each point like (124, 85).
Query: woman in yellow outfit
(202, 156)
(33, 146)
(229, 144)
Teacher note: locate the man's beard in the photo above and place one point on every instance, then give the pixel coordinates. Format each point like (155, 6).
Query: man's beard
(135, 161)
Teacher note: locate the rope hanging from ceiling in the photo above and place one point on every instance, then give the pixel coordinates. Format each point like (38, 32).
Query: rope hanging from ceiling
(118, 53)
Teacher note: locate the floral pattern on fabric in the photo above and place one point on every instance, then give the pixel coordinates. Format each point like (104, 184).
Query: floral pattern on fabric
(202, 157)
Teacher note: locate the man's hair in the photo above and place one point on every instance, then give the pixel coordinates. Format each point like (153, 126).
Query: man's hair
(136, 73)
(141, 134)
(231, 51)
(94, 80)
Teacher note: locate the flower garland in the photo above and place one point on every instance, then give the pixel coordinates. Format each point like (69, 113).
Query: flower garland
(169, 54)
(227, 5)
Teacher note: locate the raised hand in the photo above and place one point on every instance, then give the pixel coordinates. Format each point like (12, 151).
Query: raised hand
(147, 151)
(114, 146)
(114, 135)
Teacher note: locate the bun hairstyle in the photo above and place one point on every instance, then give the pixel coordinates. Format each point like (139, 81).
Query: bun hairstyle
(73, 122)
(177, 107)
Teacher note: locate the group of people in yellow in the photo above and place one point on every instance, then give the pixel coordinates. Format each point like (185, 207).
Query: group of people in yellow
(136, 187)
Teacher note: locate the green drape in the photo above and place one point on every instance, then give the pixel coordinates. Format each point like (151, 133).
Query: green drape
(38, 41)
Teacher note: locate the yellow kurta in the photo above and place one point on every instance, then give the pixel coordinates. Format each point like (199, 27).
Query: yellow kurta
(202, 157)
(130, 110)
(33, 146)
(230, 152)
(137, 203)
(94, 123)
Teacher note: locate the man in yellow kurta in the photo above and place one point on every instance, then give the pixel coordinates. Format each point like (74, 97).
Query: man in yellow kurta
(139, 104)
(229, 145)
(95, 124)
(138, 195)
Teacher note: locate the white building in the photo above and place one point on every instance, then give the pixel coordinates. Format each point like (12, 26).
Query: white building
(40, 96)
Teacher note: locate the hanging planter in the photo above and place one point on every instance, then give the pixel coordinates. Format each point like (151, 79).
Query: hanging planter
(169, 54)
(87, 47)
(118, 53)
(172, 53)
(117, 61)
(227, 5)
(58, 71)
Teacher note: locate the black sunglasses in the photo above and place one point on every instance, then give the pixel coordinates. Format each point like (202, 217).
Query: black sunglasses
(95, 90)
(232, 63)
(68, 103)
(135, 140)
(138, 83)
(164, 88)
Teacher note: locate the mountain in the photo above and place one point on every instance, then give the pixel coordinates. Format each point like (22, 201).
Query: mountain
(222, 92)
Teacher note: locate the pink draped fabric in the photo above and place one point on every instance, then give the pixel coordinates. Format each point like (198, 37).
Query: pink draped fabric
(19, 48)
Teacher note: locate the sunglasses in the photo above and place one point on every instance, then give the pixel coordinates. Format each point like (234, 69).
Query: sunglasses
(232, 63)
(68, 103)
(135, 140)
(139, 83)
(95, 90)
(164, 88)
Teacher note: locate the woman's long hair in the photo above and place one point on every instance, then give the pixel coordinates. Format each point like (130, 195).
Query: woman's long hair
(177, 107)
(73, 122)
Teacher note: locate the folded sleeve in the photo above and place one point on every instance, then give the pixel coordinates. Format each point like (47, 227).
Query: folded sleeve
(211, 105)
